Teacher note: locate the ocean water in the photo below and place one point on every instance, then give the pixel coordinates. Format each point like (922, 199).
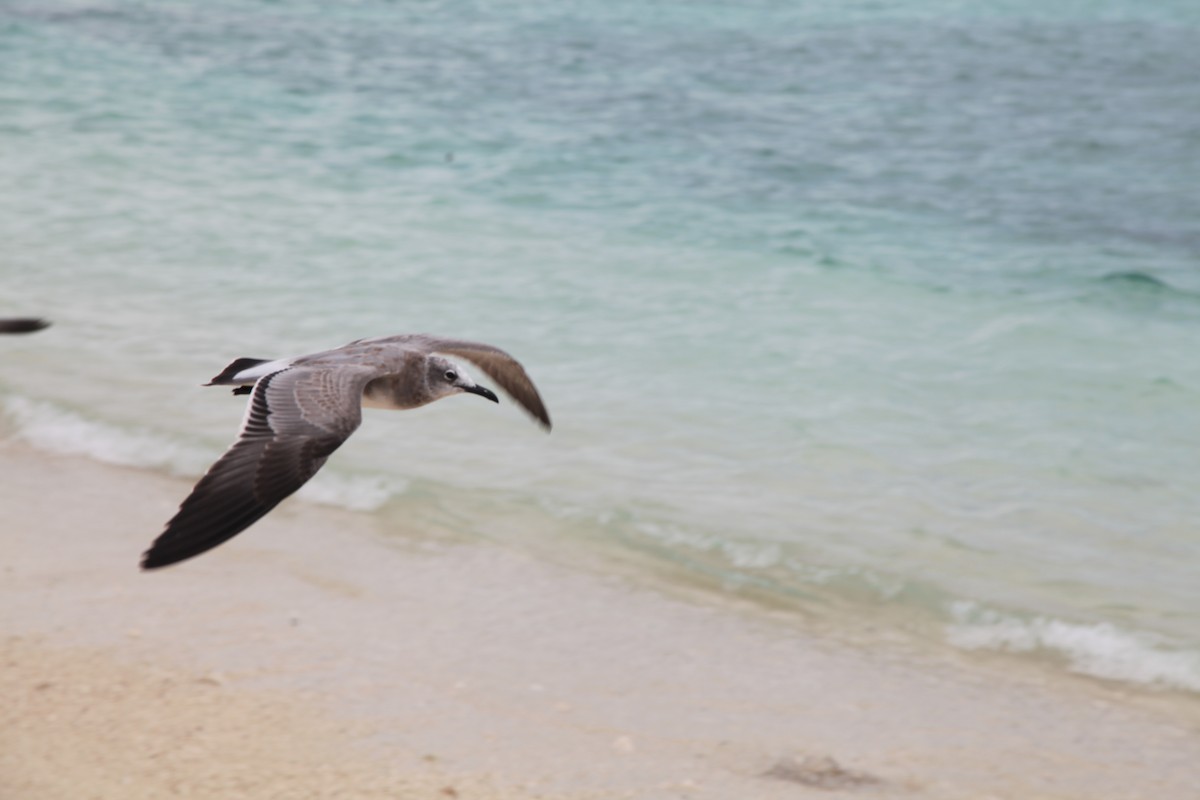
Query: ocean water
(887, 312)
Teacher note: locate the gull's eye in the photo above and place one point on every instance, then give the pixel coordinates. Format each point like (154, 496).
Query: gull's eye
(451, 375)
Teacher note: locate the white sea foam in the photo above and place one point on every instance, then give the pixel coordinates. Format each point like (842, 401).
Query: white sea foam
(1100, 650)
(355, 492)
(56, 429)
(51, 427)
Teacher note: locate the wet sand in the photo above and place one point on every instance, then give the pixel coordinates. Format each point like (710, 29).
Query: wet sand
(315, 656)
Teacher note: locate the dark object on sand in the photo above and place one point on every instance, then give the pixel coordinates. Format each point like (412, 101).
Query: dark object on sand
(819, 773)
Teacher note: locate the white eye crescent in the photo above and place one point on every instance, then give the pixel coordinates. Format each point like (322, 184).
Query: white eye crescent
(451, 375)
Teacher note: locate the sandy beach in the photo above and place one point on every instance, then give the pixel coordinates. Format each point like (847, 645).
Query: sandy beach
(316, 657)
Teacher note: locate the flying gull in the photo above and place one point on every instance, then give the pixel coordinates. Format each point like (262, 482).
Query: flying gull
(302, 409)
(22, 324)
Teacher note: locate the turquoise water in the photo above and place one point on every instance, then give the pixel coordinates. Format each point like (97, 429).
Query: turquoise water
(882, 307)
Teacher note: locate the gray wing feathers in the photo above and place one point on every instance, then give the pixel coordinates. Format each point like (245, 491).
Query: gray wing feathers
(294, 420)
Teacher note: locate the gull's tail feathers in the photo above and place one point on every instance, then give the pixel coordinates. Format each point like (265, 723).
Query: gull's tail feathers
(244, 372)
(228, 375)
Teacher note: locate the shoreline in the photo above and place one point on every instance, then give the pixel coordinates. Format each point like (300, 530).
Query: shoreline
(854, 604)
(424, 663)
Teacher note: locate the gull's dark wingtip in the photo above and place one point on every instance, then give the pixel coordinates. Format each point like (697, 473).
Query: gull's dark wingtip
(537, 409)
(23, 325)
(165, 551)
(173, 546)
(155, 559)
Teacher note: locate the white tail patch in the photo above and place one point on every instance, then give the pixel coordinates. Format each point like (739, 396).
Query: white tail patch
(252, 374)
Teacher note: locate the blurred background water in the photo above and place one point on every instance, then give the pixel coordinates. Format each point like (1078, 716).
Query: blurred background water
(888, 309)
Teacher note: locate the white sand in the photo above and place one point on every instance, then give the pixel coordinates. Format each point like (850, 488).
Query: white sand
(313, 657)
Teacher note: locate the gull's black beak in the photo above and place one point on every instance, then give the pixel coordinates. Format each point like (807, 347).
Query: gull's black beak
(483, 391)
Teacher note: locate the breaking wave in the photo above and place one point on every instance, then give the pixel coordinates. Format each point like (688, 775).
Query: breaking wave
(50, 427)
(1100, 650)
(56, 429)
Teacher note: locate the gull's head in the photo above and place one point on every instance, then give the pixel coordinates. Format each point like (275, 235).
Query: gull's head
(446, 378)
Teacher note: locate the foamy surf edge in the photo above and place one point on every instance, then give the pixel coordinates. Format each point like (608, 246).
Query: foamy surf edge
(1102, 650)
(1099, 650)
(53, 428)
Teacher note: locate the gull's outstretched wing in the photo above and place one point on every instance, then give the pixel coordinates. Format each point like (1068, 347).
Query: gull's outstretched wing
(295, 418)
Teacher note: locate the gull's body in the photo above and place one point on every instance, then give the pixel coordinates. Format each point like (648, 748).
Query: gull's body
(302, 409)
